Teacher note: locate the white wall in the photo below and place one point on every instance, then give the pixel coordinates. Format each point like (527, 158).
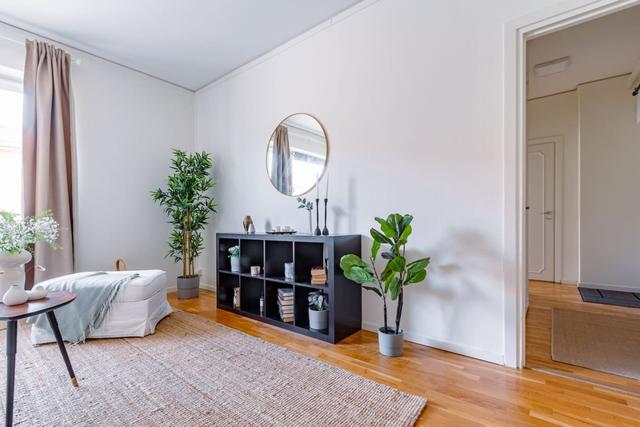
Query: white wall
(609, 177)
(410, 93)
(125, 126)
(552, 116)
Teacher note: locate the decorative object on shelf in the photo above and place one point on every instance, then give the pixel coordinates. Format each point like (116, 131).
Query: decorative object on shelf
(285, 304)
(318, 276)
(37, 293)
(236, 298)
(325, 230)
(308, 206)
(17, 239)
(288, 270)
(275, 231)
(246, 223)
(394, 232)
(252, 228)
(300, 138)
(261, 305)
(255, 270)
(317, 231)
(318, 310)
(188, 207)
(15, 296)
(234, 257)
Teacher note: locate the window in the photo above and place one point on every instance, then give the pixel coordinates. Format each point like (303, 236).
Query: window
(10, 150)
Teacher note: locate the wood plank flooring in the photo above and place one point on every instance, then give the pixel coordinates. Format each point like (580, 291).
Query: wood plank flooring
(461, 391)
(543, 297)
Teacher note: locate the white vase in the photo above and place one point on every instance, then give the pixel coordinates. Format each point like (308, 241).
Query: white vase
(15, 295)
(12, 270)
(235, 264)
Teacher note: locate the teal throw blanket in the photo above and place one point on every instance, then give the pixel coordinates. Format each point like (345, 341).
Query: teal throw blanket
(94, 294)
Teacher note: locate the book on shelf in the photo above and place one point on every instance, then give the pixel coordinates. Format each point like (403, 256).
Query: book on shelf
(318, 276)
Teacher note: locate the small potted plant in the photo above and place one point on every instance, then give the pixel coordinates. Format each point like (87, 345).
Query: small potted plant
(318, 310)
(234, 256)
(398, 273)
(18, 237)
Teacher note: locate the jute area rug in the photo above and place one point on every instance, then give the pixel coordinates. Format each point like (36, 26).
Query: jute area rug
(603, 342)
(194, 372)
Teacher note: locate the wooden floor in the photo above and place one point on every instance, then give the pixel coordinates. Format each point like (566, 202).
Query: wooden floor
(460, 391)
(543, 297)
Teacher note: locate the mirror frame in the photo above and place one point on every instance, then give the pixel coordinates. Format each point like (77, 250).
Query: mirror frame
(326, 154)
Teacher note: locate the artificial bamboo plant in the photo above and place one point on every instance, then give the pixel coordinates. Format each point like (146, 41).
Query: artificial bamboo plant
(188, 206)
(398, 273)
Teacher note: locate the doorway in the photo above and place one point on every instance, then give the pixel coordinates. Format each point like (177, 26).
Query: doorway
(552, 19)
(579, 84)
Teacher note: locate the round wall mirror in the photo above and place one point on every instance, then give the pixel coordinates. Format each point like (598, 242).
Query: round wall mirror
(297, 154)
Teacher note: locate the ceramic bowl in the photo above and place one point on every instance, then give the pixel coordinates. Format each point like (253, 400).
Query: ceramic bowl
(37, 294)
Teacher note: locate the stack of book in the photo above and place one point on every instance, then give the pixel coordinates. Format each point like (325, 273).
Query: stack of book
(318, 276)
(285, 304)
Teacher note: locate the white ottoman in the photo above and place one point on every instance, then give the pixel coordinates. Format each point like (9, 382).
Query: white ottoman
(135, 312)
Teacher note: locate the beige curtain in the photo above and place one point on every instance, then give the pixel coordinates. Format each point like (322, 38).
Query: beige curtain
(281, 161)
(47, 153)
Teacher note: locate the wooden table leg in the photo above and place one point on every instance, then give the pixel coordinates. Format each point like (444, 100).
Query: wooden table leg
(56, 331)
(12, 334)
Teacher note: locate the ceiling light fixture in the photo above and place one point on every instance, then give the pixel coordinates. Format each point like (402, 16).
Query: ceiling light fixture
(552, 67)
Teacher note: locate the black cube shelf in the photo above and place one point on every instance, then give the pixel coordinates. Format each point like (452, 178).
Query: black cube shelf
(270, 252)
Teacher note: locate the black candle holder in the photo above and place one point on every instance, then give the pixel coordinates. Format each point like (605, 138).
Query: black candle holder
(317, 231)
(325, 230)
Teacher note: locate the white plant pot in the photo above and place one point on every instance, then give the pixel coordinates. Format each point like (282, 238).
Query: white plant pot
(12, 270)
(235, 264)
(390, 344)
(318, 320)
(15, 296)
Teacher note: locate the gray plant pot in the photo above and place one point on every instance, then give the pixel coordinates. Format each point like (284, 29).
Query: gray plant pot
(390, 344)
(188, 286)
(318, 319)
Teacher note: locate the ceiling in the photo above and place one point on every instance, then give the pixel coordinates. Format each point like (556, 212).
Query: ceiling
(188, 42)
(601, 48)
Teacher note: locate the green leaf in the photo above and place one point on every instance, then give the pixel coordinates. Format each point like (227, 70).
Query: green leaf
(406, 232)
(419, 264)
(375, 247)
(415, 277)
(356, 270)
(397, 264)
(371, 288)
(394, 288)
(388, 255)
(379, 237)
(386, 228)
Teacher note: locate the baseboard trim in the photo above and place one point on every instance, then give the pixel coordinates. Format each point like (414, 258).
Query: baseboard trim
(464, 350)
(608, 287)
(206, 286)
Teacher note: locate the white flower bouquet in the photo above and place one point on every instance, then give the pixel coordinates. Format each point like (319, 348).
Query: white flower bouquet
(18, 234)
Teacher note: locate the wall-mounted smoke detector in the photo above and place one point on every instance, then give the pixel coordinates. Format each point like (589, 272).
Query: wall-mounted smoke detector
(552, 67)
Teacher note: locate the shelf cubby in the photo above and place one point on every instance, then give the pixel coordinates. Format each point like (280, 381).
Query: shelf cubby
(306, 251)
(276, 254)
(226, 283)
(224, 263)
(251, 253)
(307, 256)
(251, 289)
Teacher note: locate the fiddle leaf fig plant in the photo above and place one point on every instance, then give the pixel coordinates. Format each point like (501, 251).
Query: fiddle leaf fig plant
(391, 238)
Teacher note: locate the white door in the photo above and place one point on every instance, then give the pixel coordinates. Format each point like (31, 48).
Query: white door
(541, 211)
